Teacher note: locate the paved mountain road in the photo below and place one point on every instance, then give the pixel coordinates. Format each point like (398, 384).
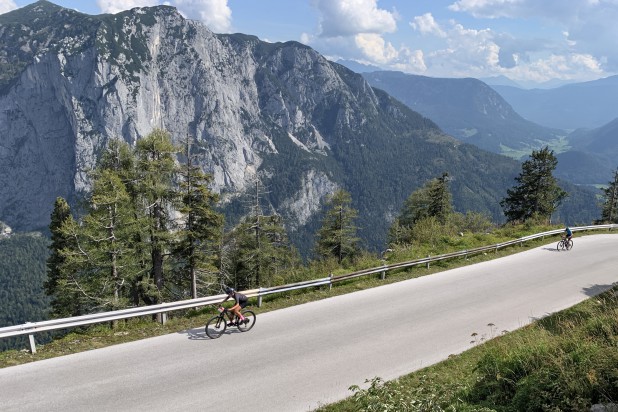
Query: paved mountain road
(298, 358)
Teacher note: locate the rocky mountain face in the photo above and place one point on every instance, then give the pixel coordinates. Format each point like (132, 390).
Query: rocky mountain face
(280, 114)
(469, 110)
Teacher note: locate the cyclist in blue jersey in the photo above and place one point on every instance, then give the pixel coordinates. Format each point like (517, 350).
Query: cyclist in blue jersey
(568, 233)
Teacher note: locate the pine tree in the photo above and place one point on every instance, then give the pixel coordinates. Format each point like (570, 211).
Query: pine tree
(433, 200)
(103, 264)
(257, 252)
(609, 211)
(537, 192)
(337, 236)
(64, 301)
(120, 158)
(441, 200)
(197, 248)
(156, 170)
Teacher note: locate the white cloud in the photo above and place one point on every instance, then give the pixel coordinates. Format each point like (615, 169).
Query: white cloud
(7, 5)
(375, 48)
(426, 24)
(216, 14)
(116, 6)
(590, 24)
(352, 17)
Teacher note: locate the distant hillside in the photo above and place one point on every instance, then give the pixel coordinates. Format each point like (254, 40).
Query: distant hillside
(469, 110)
(594, 156)
(22, 273)
(584, 168)
(579, 105)
(602, 141)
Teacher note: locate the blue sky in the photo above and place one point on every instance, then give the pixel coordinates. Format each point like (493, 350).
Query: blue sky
(528, 41)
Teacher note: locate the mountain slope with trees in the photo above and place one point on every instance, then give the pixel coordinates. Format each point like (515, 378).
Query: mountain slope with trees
(469, 110)
(22, 274)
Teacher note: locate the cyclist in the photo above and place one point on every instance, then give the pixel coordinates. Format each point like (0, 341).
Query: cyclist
(568, 233)
(240, 302)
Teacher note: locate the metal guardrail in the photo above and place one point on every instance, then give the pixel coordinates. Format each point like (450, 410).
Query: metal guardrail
(31, 328)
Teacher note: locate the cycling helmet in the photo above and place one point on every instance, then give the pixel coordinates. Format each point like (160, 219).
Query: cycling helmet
(228, 290)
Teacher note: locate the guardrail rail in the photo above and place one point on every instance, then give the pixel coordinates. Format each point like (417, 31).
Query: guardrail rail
(30, 328)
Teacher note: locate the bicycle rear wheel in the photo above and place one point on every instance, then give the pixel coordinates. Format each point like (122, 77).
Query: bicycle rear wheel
(215, 327)
(569, 244)
(249, 321)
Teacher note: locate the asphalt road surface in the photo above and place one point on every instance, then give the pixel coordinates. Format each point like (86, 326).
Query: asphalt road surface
(299, 358)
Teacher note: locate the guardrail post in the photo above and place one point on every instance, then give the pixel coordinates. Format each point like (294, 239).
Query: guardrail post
(383, 273)
(162, 318)
(31, 341)
(428, 257)
(330, 282)
(260, 298)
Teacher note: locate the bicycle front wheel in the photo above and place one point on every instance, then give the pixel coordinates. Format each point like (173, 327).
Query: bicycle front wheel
(560, 245)
(249, 321)
(569, 245)
(215, 327)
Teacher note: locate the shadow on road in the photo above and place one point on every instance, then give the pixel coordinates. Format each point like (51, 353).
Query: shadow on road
(553, 249)
(597, 289)
(195, 334)
(199, 334)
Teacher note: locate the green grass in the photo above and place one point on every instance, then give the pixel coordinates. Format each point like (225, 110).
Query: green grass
(101, 335)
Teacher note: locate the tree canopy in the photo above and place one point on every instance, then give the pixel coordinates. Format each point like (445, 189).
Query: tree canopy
(537, 192)
(337, 236)
(609, 208)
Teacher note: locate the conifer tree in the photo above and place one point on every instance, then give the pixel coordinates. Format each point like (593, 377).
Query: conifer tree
(257, 252)
(433, 200)
(609, 211)
(102, 264)
(120, 158)
(64, 301)
(197, 248)
(155, 174)
(337, 236)
(537, 192)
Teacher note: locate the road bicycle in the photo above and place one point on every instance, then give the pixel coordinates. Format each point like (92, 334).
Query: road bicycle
(217, 325)
(564, 244)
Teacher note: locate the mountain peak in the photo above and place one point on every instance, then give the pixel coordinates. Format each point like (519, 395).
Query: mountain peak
(30, 13)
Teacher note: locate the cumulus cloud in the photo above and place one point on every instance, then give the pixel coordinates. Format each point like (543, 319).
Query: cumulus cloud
(375, 48)
(216, 14)
(352, 17)
(426, 24)
(116, 6)
(7, 5)
(589, 25)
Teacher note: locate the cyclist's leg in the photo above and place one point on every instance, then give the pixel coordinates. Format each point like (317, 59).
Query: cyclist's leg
(233, 313)
(242, 304)
(236, 311)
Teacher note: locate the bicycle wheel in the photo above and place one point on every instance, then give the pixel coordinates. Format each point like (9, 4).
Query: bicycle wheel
(569, 244)
(249, 321)
(215, 327)
(560, 245)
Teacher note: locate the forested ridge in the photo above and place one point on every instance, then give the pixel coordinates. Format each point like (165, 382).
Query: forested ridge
(22, 274)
